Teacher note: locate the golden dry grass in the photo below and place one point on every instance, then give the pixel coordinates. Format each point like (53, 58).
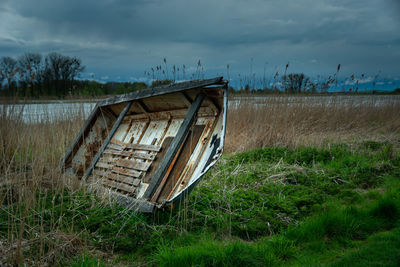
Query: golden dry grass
(292, 121)
(30, 152)
(29, 155)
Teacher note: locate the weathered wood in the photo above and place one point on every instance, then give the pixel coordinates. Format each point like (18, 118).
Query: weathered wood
(204, 111)
(113, 176)
(108, 112)
(100, 173)
(166, 175)
(175, 145)
(133, 164)
(128, 172)
(134, 154)
(120, 186)
(186, 99)
(133, 203)
(136, 146)
(123, 179)
(143, 131)
(103, 165)
(213, 105)
(154, 166)
(107, 140)
(142, 106)
(116, 152)
(184, 179)
(184, 156)
(115, 147)
(84, 129)
(175, 87)
(144, 147)
(105, 159)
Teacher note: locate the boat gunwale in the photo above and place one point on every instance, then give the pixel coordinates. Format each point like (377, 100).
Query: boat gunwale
(161, 90)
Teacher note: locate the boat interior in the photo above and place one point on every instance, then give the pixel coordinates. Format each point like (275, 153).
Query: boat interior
(149, 151)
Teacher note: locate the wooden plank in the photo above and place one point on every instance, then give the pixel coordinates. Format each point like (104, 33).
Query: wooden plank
(128, 172)
(205, 111)
(103, 165)
(213, 105)
(139, 103)
(109, 112)
(134, 154)
(186, 99)
(184, 156)
(137, 205)
(113, 176)
(154, 166)
(123, 179)
(175, 145)
(100, 173)
(164, 179)
(133, 164)
(120, 186)
(136, 146)
(117, 143)
(115, 147)
(143, 131)
(106, 159)
(85, 128)
(176, 87)
(135, 182)
(144, 147)
(107, 140)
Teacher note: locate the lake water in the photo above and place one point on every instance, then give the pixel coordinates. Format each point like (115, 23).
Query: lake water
(62, 110)
(47, 111)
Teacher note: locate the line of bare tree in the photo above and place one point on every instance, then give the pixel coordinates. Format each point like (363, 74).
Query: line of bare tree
(32, 75)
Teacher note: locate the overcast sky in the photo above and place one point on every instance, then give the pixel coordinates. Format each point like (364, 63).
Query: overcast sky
(120, 39)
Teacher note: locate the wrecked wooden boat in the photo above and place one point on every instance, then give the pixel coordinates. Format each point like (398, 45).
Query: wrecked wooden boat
(149, 148)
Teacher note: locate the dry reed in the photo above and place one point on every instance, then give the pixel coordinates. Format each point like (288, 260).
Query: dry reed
(29, 155)
(293, 121)
(30, 152)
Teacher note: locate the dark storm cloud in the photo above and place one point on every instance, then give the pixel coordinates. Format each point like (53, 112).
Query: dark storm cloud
(127, 36)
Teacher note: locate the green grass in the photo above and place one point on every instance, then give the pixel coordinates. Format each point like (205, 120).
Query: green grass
(267, 207)
(86, 261)
(382, 249)
(320, 239)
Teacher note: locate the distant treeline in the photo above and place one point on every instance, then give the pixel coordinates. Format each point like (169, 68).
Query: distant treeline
(34, 75)
(55, 75)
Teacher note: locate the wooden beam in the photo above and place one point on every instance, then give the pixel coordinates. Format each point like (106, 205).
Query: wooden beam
(126, 172)
(133, 164)
(120, 186)
(136, 146)
(213, 105)
(80, 135)
(107, 140)
(134, 154)
(108, 111)
(171, 88)
(142, 106)
(116, 177)
(186, 99)
(174, 147)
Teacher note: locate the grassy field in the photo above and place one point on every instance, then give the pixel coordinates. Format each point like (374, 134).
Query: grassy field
(299, 185)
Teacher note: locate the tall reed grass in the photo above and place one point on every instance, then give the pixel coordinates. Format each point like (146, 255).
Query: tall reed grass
(34, 233)
(293, 121)
(29, 153)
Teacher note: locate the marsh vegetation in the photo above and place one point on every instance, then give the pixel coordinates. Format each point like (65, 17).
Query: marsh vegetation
(299, 185)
